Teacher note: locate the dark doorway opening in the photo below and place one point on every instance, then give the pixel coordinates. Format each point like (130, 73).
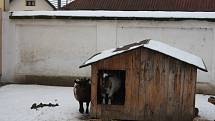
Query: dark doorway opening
(111, 87)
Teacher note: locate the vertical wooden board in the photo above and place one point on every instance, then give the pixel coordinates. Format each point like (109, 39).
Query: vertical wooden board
(177, 87)
(165, 79)
(94, 112)
(128, 85)
(133, 79)
(152, 87)
(188, 93)
(161, 82)
(184, 109)
(163, 62)
(194, 78)
(149, 73)
(178, 91)
(192, 86)
(100, 108)
(142, 86)
(126, 61)
(128, 97)
(173, 90)
(170, 93)
(147, 86)
(181, 78)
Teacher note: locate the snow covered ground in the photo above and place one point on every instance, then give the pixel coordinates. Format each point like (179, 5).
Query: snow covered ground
(16, 102)
(206, 109)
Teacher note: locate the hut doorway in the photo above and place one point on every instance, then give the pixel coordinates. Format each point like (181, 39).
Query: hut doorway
(111, 87)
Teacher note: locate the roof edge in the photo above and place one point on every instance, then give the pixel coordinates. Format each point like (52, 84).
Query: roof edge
(157, 46)
(177, 15)
(51, 4)
(88, 64)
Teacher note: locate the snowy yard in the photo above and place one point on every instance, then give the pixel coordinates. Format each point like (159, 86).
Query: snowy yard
(16, 102)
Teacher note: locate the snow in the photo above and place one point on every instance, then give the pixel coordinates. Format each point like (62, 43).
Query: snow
(157, 46)
(176, 53)
(63, 2)
(16, 101)
(102, 55)
(126, 14)
(206, 109)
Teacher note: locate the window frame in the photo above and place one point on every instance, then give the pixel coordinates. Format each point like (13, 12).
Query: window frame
(30, 3)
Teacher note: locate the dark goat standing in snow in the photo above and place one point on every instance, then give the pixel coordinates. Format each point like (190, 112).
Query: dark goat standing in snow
(82, 92)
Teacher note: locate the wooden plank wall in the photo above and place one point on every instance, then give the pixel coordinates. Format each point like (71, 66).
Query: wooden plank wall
(158, 87)
(166, 90)
(130, 62)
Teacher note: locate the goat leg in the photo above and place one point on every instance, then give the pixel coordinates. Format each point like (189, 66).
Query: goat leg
(109, 100)
(81, 108)
(87, 109)
(103, 98)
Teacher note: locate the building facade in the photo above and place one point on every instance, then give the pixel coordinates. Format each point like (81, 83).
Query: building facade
(2, 4)
(31, 5)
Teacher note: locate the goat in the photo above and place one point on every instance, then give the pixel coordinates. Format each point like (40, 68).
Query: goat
(111, 84)
(82, 93)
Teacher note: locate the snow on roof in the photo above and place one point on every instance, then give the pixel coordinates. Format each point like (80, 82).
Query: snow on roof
(153, 45)
(63, 2)
(118, 14)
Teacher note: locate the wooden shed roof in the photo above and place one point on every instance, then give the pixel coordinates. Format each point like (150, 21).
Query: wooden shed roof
(153, 45)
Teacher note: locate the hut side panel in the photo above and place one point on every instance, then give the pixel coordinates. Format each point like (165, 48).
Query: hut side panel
(188, 102)
(129, 62)
(94, 107)
(166, 88)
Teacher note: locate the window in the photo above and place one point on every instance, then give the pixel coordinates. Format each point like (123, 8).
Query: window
(111, 87)
(30, 2)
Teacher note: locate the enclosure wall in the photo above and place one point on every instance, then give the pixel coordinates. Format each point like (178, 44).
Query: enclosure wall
(56, 47)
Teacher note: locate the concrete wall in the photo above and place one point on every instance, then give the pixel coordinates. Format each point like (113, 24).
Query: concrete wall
(19, 5)
(0, 41)
(57, 47)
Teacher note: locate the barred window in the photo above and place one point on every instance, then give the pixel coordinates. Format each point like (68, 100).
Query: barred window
(30, 3)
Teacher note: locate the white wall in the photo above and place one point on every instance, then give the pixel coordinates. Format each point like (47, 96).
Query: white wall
(57, 47)
(19, 5)
(8, 50)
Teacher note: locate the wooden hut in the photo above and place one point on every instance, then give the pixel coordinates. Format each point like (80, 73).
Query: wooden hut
(158, 82)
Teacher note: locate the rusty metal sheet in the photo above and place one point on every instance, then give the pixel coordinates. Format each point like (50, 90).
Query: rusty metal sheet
(142, 5)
